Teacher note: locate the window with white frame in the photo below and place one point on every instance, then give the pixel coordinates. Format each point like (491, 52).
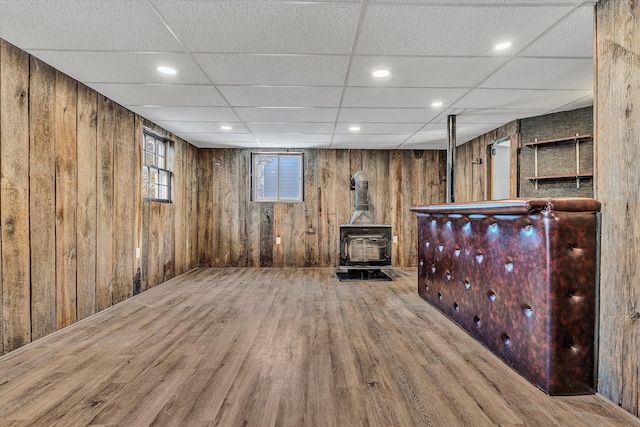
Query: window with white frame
(157, 166)
(277, 177)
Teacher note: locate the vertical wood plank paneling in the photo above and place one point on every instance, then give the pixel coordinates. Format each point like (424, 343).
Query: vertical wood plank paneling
(383, 198)
(66, 199)
(344, 208)
(14, 197)
(104, 197)
(180, 202)
(65, 232)
(397, 216)
(42, 214)
(168, 254)
(205, 207)
(279, 231)
(137, 188)
(192, 216)
(310, 230)
(410, 223)
(231, 237)
(154, 227)
(244, 211)
(617, 145)
(145, 249)
(220, 236)
(311, 207)
(124, 203)
(86, 206)
(267, 236)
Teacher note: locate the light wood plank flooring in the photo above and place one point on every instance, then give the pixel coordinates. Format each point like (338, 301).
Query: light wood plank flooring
(276, 347)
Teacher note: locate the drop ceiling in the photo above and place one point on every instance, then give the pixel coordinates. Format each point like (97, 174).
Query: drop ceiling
(298, 74)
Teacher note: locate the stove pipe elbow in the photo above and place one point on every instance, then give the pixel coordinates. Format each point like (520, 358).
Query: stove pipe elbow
(360, 184)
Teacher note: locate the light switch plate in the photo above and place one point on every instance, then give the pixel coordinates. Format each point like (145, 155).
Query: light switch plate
(395, 239)
(137, 252)
(277, 240)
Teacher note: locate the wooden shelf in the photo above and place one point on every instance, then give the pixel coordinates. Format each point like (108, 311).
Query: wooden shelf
(557, 140)
(568, 176)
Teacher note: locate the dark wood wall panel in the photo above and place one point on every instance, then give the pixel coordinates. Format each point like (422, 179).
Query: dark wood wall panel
(309, 231)
(14, 200)
(71, 203)
(617, 142)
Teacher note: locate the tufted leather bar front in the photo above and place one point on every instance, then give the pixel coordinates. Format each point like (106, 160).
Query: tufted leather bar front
(519, 275)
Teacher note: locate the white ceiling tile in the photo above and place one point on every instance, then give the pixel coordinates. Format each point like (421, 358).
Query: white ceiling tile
(168, 95)
(293, 138)
(189, 114)
(398, 97)
(387, 115)
(123, 67)
(426, 139)
(497, 117)
(365, 145)
(250, 27)
(216, 137)
(290, 70)
(572, 37)
(308, 115)
(438, 30)
(272, 127)
(519, 98)
(202, 127)
(380, 128)
(543, 73)
(220, 144)
(281, 96)
(587, 101)
(294, 145)
(422, 71)
(392, 140)
(84, 25)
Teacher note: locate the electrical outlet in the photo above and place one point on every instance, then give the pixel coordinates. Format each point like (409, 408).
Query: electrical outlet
(137, 252)
(395, 239)
(277, 240)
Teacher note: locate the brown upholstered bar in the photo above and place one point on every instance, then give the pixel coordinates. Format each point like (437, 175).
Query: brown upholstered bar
(519, 275)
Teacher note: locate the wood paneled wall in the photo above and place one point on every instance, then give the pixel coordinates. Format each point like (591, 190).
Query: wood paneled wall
(617, 186)
(233, 231)
(71, 204)
(170, 230)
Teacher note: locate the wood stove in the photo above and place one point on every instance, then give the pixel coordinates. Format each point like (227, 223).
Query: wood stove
(365, 247)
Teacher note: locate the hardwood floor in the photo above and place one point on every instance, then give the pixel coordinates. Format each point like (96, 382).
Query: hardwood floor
(276, 347)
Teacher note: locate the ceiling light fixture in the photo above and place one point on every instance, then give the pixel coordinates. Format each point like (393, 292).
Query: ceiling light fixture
(503, 46)
(354, 128)
(225, 127)
(436, 104)
(166, 70)
(381, 73)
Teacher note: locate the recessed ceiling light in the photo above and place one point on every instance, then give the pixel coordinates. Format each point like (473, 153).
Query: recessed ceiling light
(354, 128)
(381, 73)
(225, 127)
(503, 46)
(436, 104)
(166, 70)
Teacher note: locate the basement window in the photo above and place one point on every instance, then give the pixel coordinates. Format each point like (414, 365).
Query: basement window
(277, 177)
(157, 168)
